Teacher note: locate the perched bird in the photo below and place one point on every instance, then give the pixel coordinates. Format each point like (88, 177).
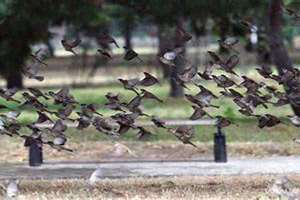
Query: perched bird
(105, 39)
(12, 189)
(70, 45)
(97, 175)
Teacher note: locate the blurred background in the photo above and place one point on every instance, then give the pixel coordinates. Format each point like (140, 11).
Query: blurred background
(148, 27)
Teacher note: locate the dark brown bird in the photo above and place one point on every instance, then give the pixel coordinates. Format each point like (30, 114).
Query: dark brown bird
(184, 133)
(148, 95)
(8, 94)
(130, 54)
(148, 80)
(230, 64)
(183, 35)
(39, 56)
(31, 71)
(265, 72)
(107, 126)
(143, 134)
(65, 112)
(105, 39)
(198, 113)
(216, 59)
(268, 120)
(37, 93)
(130, 84)
(158, 122)
(229, 43)
(222, 122)
(105, 53)
(188, 74)
(69, 45)
(42, 117)
(251, 85)
(206, 75)
(223, 81)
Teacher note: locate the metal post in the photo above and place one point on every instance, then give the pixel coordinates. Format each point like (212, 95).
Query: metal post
(220, 152)
(35, 154)
(35, 151)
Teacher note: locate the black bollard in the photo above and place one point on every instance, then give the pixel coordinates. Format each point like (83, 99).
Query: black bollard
(35, 151)
(220, 152)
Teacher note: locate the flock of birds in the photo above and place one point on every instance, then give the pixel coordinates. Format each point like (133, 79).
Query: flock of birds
(246, 93)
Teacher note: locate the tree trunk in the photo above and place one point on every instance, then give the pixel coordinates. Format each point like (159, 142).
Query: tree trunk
(279, 53)
(163, 44)
(14, 80)
(176, 89)
(128, 34)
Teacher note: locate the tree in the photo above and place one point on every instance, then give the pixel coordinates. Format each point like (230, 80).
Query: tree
(26, 23)
(279, 53)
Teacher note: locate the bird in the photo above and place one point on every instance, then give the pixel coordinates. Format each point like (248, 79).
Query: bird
(230, 64)
(158, 122)
(70, 45)
(130, 84)
(295, 120)
(169, 56)
(184, 133)
(31, 71)
(12, 189)
(39, 56)
(8, 94)
(96, 176)
(198, 113)
(130, 54)
(105, 53)
(105, 39)
(222, 122)
(268, 120)
(143, 134)
(37, 93)
(223, 81)
(229, 43)
(120, 150)
(148, 95)
(183, 35)
(148, 80)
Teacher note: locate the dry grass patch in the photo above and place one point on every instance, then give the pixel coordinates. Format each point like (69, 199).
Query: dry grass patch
(237, 187)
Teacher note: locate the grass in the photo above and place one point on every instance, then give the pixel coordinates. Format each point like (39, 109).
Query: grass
(237, 187)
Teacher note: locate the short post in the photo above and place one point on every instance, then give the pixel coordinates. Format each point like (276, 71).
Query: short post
(220, 152)
(35, 151)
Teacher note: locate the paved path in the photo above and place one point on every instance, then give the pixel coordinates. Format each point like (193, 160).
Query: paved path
(265, 166)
